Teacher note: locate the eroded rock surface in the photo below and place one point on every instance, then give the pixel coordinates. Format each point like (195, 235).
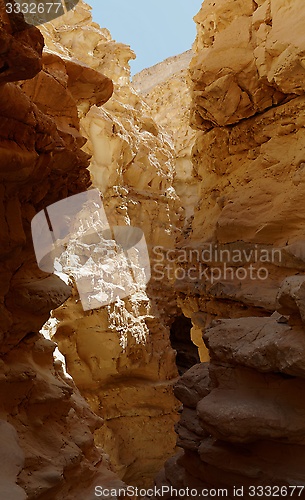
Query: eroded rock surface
(242, 421)
(247, 302)
(166, 89)
(120, 355)
(47, 444)
(248, 72)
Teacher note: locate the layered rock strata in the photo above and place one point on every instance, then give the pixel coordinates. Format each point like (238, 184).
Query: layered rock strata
(242, 423)
(47, 444)
(120, 356)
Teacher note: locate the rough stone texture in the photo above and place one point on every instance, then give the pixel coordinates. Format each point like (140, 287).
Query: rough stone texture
(166, 89)
(247, 106)
(120, 356)
(249, 65)
(47, 444)
(193, 385)
(266, 344)
(242, 420)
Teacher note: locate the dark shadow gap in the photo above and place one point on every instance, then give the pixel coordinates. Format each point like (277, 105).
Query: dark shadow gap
(180, 337)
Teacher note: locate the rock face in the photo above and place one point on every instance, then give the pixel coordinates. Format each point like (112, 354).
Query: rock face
(236, 249)
(47, 444)
(120, 356)
(243, 410)
(166, 89)
(251, 149)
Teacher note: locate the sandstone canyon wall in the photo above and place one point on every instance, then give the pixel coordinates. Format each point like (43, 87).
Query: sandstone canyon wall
(47, 443)
(166, 89)
(243, 414)
(239, 176)
(120, 356)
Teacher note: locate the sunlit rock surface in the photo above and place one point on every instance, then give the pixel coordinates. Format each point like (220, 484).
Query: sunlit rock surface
(120, 355)
(47, 444)
(258, 162)
(243, 410)
(242, 420)
(166, 88)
